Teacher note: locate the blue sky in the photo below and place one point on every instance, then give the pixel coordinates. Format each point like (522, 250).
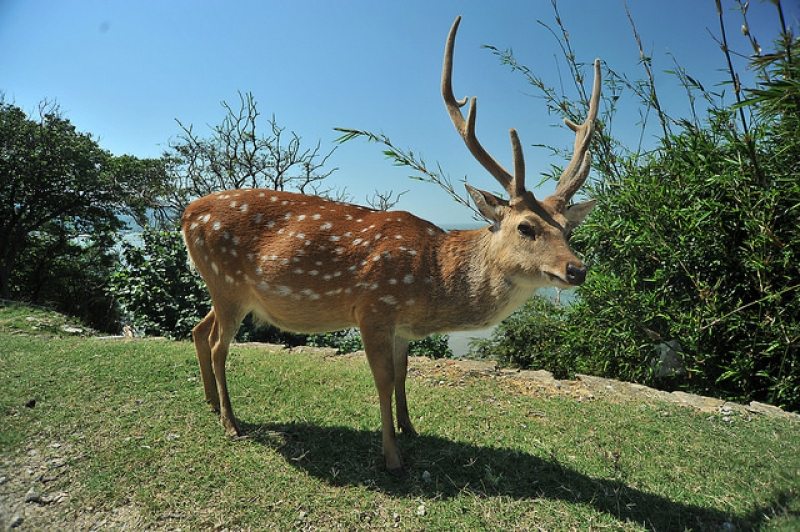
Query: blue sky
(124, 71)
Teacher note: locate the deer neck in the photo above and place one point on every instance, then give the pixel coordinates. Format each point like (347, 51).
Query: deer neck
(479, 290)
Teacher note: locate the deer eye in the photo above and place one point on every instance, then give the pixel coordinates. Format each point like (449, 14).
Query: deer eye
(526, 231)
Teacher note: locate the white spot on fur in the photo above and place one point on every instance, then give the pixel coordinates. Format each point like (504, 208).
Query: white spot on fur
(325, 226)
(215, 268)
(216, 226)
(408, 279)
(283, 290)
(389, 300)
(310, 294)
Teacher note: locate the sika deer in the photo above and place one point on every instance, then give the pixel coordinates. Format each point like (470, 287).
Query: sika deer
(308, 264)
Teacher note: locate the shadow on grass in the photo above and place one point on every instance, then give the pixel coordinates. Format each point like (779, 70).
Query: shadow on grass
(343, 456)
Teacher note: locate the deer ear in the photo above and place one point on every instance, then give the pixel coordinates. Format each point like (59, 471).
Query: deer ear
(577, 212)
(488, 204)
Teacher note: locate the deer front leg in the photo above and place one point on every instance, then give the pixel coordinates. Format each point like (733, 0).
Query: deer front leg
(379, 345)
(400, 371)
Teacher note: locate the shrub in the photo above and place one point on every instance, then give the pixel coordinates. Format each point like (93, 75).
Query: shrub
(694, 249)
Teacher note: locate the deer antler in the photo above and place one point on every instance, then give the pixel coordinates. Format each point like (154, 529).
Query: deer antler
(514, 185)
(578, 168)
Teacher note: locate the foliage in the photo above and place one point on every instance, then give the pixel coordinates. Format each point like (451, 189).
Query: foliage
(530, 338)
(155, 287)
(69, 275)
(349, 340)
(56, 186)
(694, 245)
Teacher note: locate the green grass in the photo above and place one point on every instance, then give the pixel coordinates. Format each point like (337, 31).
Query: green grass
(140, 435)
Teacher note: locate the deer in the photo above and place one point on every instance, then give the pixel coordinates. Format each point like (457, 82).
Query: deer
(311, 265)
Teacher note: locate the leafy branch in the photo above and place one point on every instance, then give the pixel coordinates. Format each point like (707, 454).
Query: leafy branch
(408, 159)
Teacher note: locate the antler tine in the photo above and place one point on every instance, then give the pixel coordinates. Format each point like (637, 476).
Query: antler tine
(514, 185)
(578, 168)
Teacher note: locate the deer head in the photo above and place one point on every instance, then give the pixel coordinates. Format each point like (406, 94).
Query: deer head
(533, 233)
(309, 264)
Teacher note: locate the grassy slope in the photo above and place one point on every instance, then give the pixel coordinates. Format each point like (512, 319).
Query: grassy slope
(142, 437)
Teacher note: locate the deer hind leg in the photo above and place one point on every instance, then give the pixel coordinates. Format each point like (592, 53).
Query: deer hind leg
(379, 345)
(224, 328)
(202, 344)
(400, 371)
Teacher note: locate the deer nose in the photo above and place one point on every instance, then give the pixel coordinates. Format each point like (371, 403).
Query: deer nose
(576, 274)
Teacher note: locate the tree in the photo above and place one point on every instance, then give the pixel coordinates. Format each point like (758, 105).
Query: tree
(235, 155)
(60, 193)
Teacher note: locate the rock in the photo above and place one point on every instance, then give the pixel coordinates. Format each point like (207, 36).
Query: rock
(670, 360)
(16, 521)
(33, 496)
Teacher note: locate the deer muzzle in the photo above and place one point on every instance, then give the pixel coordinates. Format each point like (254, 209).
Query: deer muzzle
(576, 274)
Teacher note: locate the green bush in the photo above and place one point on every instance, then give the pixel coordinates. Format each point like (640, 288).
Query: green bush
(349, 340)
(694, 249)
(156, 289)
